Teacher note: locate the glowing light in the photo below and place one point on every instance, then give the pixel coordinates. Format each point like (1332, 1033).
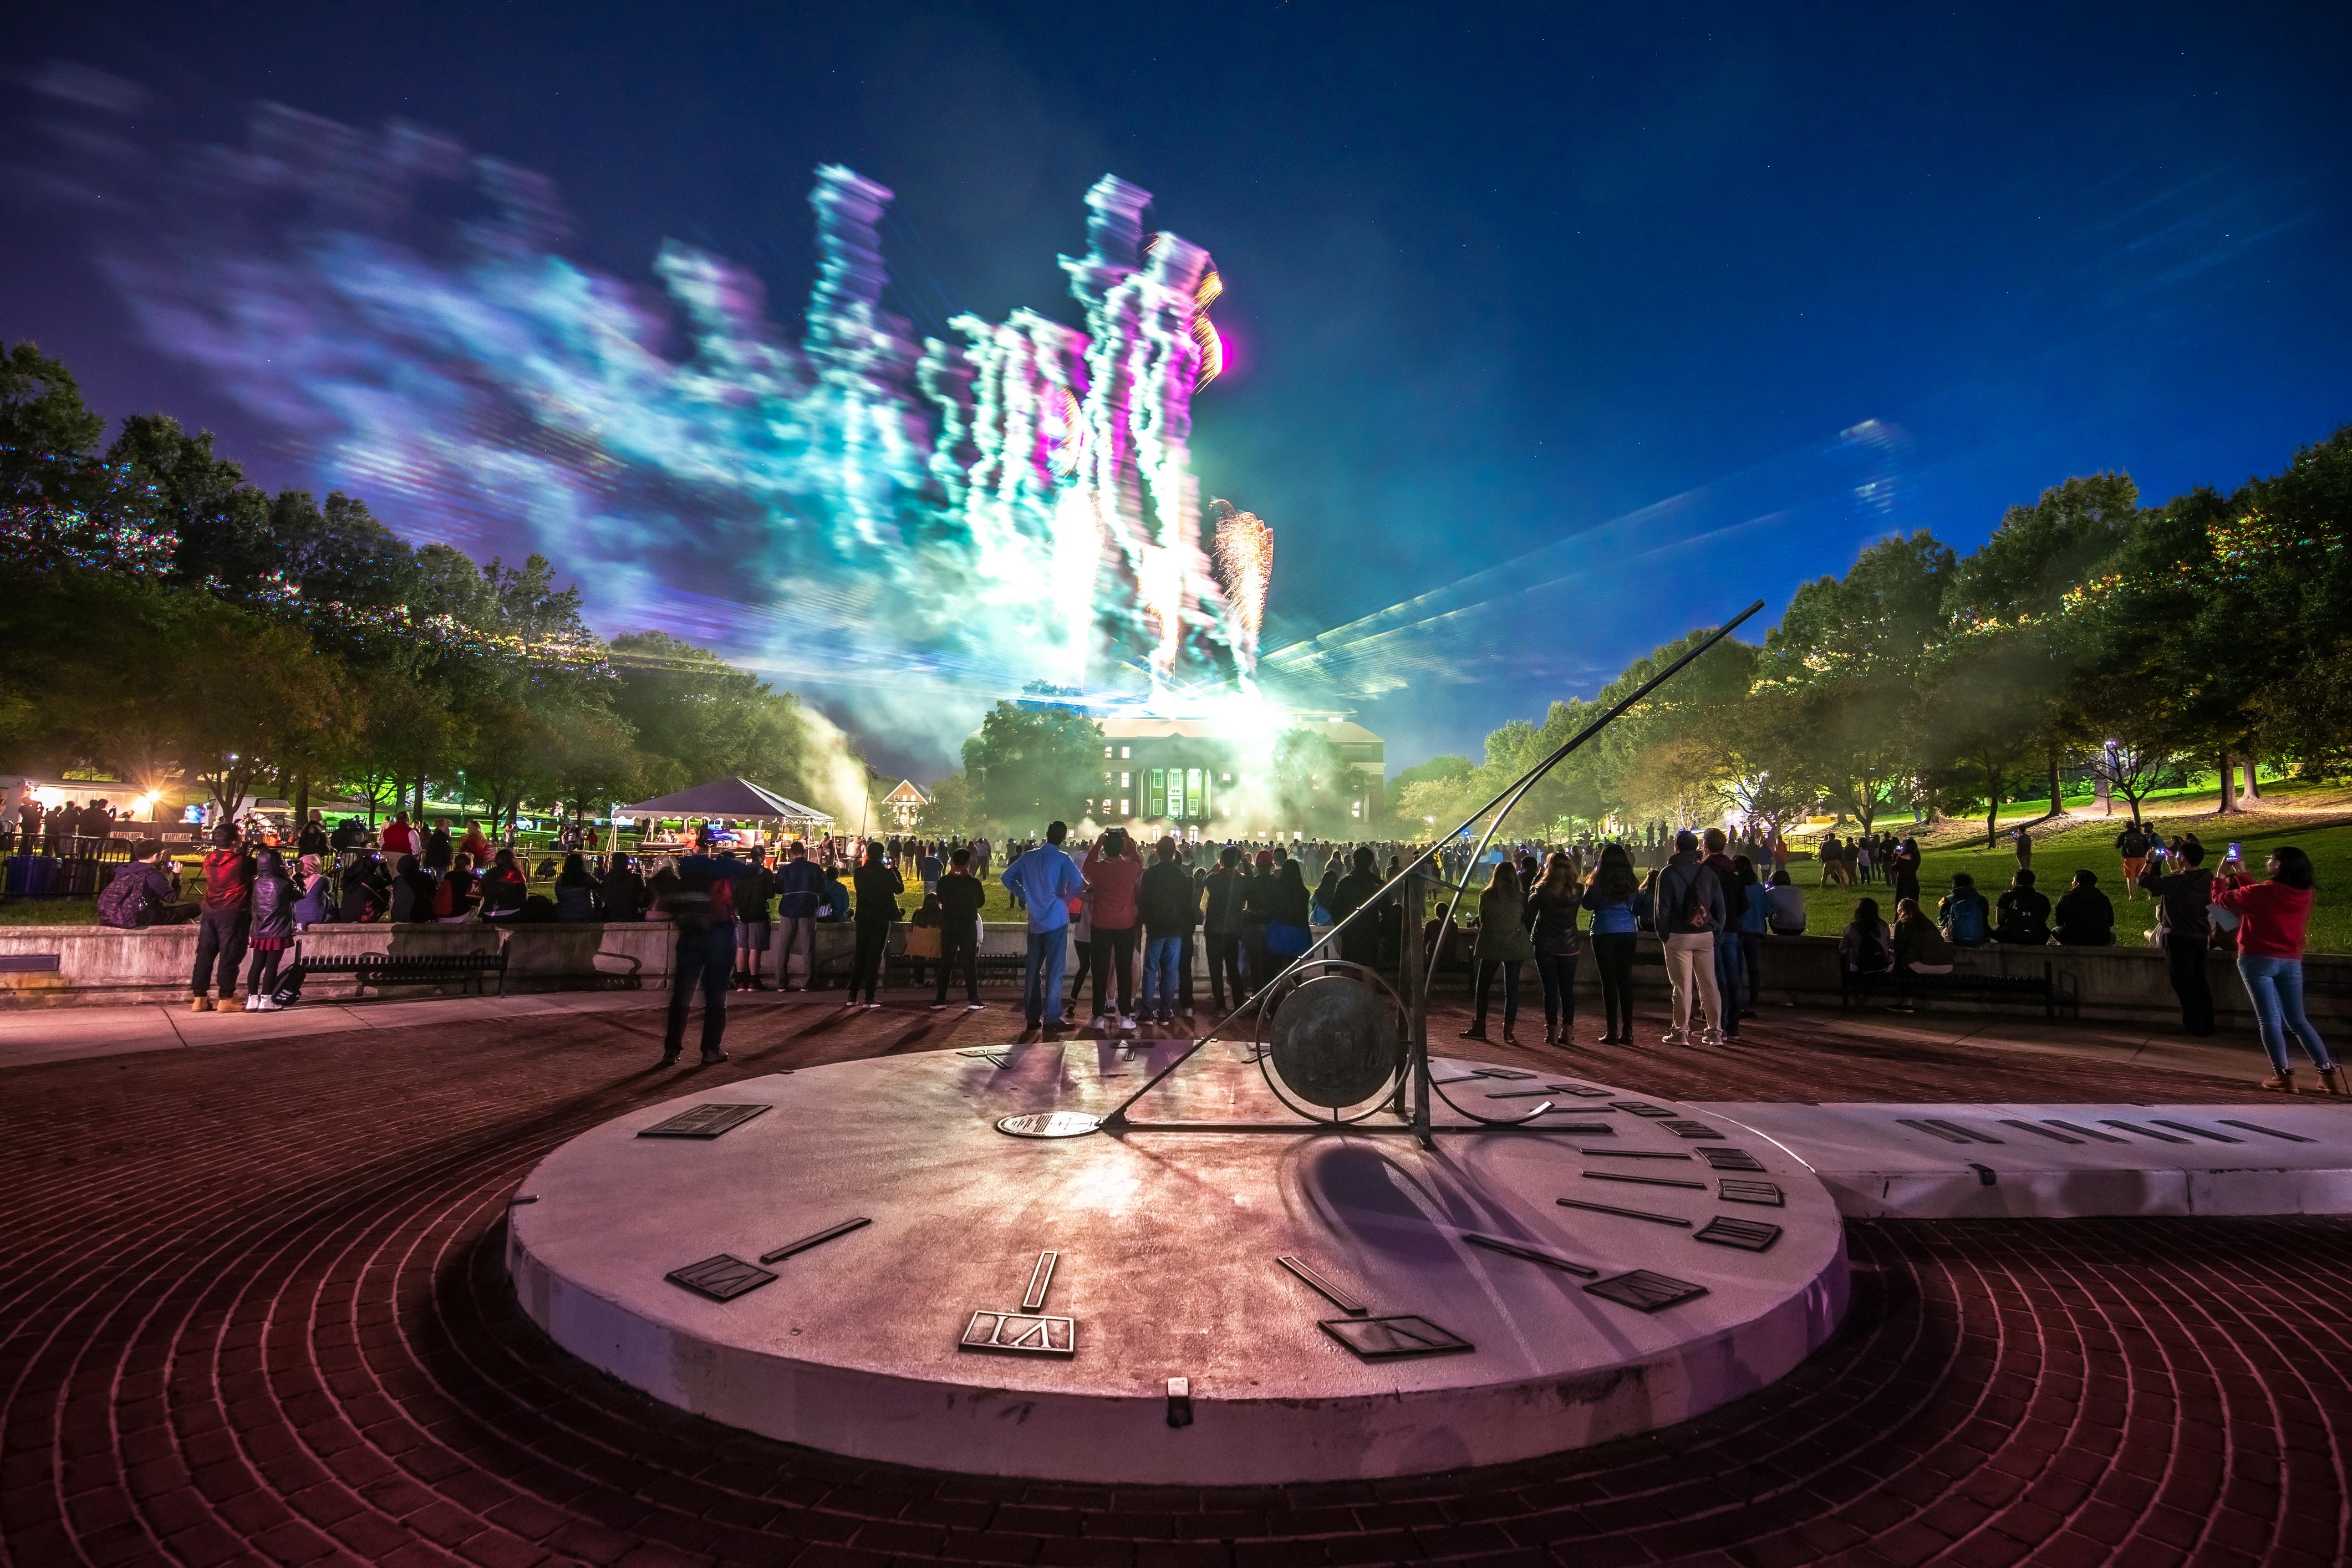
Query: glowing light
(1245, 562)
(1008, 502)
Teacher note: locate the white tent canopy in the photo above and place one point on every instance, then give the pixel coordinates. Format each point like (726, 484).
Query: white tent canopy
(733, 799)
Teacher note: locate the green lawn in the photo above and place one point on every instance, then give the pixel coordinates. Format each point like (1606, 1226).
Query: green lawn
(2059, 851)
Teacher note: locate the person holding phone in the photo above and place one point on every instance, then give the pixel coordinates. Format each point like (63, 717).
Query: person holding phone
(2274, 915)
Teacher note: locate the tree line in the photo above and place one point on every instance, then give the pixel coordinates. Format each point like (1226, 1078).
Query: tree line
(2088, 635)
(168, 619)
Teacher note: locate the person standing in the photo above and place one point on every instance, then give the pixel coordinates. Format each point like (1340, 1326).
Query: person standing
(1046, 881)
(1226, 891)
(2022, 842)
(755, 898)
(440, 849)
(312, 839)
(879, 887)
(960, 896)
(1502, 945)
(2131, 846)
(624, 890)
(1903, 870)
(273, 929)
(1164, 902)
(699, 898)
(1728, 953)
(2183, 898)
(225, 923)
(1689, 912)
(1556, 944)
(1115, 873)
(928, 866)
(799, 891)
(2273, 914)
(1360, 942)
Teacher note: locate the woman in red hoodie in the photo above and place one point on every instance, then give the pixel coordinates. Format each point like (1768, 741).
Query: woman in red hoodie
(2271, 916)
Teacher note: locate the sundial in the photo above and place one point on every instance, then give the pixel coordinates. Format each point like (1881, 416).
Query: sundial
(1297, 1248)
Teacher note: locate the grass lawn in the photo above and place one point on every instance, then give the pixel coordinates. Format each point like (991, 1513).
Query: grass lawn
(49, 912)
(2318, 818)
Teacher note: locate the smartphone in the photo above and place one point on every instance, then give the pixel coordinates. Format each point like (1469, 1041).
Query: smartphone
(2234, 852)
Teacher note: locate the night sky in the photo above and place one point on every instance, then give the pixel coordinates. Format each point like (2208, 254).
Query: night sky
(1496, 276)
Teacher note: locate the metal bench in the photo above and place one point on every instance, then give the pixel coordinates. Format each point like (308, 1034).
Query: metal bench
(380, 969)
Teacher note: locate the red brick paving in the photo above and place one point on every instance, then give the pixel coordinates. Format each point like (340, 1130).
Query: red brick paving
(252, 1309)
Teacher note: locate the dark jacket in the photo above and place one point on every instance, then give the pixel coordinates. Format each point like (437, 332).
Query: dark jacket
(273, 906)
(625, 895)
(878, 888)
(800, 888)
(438, 850)
(755, 895)
(1685, 887)
(1551, 921)
(311, 840)
(412, 897)
(1164, 899)
(575, 901)
(1283, 904)
(2185, 894)
(2086, 919)
(1360, 942)
(1228, 896)
(1735, 897)
(962, 898)
(2024, 917)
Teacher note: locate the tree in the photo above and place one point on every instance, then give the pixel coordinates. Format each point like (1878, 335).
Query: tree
(1314, 790)
(1035, 763)
(245, 699)
(41, 411)
(1975, 693)
(1856, 750)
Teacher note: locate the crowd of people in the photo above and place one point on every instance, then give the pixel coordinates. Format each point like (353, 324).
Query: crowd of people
(1134, 932)
(69, 827)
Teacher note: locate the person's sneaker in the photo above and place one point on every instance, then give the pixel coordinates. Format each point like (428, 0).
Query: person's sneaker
(1127, 1025)
(260, 1005)
(1166, 1020)
(975, 1006)
(1099, 1024)
(874, 1006)
(249, 1001)
(1673, 1038)
(849, 1001)
(712, 1059)
(669, 1058)
(938, 1006)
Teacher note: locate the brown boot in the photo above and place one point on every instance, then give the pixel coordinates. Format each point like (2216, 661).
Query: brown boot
(2282, 1080)
(200, 1004)
(2331, 1081)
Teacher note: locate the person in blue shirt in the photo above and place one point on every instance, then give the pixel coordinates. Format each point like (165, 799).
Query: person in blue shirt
(800, 889)
(1045, 880)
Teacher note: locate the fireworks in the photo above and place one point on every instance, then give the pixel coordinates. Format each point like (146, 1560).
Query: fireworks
(1245, 563)
(1212, 347)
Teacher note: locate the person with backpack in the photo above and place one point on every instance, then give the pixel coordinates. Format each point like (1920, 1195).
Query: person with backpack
(1689, 907)
(141, 893)
(2025, 913)
(227, 920)
(2274, 915)
(1965, 916)
(2131, 845)
(273, 929)
(1865, 949)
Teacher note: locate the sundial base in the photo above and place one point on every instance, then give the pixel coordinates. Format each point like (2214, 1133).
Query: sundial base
(1112, 1306)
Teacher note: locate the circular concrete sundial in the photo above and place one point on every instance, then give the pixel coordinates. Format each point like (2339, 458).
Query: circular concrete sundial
(858, 1258)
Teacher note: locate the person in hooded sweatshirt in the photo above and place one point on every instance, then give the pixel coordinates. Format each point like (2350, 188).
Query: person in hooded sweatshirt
(227, 921)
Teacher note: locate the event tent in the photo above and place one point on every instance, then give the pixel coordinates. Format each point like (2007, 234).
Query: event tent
(732, 799)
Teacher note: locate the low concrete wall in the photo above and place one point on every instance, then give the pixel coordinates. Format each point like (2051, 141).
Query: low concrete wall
(97, 965)
(69, 965)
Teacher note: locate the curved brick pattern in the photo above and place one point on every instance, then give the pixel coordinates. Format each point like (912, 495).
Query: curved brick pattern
(251, 1308)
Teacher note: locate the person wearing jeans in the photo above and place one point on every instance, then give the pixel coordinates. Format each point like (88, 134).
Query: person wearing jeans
(800, 888)
(1728, 953)
(1115, 875)
(2184, 898)
(1045, 880)
(1551, 924)
(2273, 916)
(1165, 900)
(1608, 899)
(1689, 911)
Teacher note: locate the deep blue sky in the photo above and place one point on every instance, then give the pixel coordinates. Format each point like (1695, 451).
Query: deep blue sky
(1495, 274)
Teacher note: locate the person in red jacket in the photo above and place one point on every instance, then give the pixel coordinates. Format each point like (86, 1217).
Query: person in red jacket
(2271, 915)
(1115, 873)
(226, 920)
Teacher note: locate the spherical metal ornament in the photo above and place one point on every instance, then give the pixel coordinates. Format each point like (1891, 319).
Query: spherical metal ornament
(1335, 1043)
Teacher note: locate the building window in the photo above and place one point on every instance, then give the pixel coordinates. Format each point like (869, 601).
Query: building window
(1106, 749)
(1124, 752)
(1126, 806)
(1123, 781)
(1156, 794)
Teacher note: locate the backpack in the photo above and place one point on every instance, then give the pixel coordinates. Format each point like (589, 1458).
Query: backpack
(1870, 955)
(124, 902)
(1692, 916)
(444, 899)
